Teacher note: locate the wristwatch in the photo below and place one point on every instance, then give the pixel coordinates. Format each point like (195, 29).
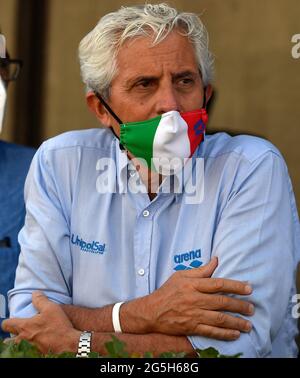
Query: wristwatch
(84, 344)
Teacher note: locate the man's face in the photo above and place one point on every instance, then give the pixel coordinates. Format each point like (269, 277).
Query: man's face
(154, 80)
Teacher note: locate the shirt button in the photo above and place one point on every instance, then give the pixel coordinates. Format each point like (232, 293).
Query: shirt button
(146, 213)
(141, 272)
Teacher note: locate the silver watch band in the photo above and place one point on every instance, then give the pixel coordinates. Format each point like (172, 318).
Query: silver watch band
(84, 344)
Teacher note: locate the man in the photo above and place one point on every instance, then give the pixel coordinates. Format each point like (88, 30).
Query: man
(102, 230)
(14, 165)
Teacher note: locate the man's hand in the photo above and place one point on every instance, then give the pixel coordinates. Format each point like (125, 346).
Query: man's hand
(190, 303)
(49, 330)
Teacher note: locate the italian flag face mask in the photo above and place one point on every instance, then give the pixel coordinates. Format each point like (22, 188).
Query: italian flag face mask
(165, 142)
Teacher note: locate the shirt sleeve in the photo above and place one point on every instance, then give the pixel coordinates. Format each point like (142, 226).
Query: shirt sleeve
(255, 241)
(45, 258)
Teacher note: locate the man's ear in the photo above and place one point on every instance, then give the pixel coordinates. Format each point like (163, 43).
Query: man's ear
(98, 109)
(208, 93)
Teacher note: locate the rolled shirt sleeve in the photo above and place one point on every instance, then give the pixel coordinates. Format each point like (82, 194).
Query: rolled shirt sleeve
(257, 240)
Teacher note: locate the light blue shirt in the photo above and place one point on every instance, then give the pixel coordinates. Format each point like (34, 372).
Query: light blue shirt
(90, 249)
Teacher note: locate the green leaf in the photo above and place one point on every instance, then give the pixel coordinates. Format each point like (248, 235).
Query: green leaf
(62, 355)
(172, 355)
(22, 350)
(148, 355)
(207, 353)
(2, 346)
(116, 348)
(238, 355)
(94, 355)
(213, 353)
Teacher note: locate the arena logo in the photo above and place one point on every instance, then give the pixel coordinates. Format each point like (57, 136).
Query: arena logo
(191, 258)
(296, 48)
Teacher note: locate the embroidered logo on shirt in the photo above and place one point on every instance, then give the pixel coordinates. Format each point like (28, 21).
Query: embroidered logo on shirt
(191, 258)
(92, 247)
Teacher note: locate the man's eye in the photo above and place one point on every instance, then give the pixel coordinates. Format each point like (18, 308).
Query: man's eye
(144, 84)
(186, 81)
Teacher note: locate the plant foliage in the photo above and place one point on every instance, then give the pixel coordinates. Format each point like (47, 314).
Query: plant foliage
(114, 348)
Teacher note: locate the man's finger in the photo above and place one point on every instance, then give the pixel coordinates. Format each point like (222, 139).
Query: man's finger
(11, 325)
(39, 300)
(223, 285)
(217, 333)
(223, 320)
(206, 270)
(224, 303)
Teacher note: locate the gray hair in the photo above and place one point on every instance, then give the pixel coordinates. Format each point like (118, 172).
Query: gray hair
(98, 50)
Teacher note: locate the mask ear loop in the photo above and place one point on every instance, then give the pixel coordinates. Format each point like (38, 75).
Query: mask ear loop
(113, 114)
(204, 99)
(204, 106)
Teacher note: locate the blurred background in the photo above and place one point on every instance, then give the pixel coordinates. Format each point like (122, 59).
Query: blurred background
(257, 81)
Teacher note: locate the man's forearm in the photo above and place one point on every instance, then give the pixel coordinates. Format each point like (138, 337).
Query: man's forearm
(133, 316)
(188, 303)
(92, 319)
(134, 319)
(155, 343)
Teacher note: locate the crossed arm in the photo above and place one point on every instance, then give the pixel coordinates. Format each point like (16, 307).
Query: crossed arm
(250, 242)
(189, 303)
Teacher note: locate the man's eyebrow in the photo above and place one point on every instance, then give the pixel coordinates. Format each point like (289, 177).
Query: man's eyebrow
(182, 74)
(137, 79)
(130, 82)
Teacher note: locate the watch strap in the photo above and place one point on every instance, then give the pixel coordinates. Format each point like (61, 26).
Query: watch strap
(84, 344)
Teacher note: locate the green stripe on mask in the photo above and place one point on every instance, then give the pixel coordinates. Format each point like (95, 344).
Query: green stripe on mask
(131, 136)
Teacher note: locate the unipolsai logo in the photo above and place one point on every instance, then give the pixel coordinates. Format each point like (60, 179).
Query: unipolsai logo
(85, 246)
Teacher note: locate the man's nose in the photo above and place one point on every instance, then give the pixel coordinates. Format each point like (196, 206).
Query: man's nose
(167, 100)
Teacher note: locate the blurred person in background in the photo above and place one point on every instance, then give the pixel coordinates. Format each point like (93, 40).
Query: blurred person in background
(14, 164)
(161, 273)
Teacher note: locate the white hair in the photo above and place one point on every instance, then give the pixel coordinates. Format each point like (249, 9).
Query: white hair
(98, 50)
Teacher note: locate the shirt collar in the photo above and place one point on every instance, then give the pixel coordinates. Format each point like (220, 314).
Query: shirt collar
(124, 167)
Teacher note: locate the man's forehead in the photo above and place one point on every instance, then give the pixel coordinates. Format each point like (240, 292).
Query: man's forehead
(139, 56)
(2, 46)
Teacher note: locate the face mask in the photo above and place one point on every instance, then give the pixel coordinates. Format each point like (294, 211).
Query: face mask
(165, 142)
(3, 96)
